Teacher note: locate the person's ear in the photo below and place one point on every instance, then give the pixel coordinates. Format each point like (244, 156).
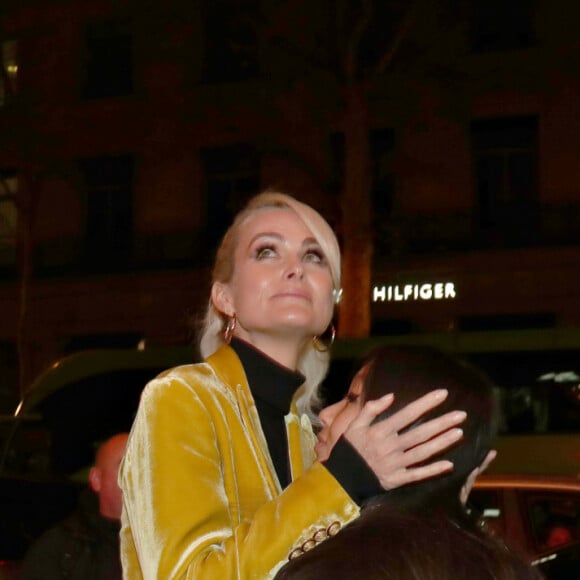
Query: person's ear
(221, 298)
(95, 479)
(468, 485)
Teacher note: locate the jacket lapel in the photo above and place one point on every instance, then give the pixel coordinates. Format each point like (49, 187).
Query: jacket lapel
(301, 441)
(228, 368)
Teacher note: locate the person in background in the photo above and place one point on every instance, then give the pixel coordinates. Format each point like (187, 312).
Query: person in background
(85, 546)
(420, 531)
(220, 479)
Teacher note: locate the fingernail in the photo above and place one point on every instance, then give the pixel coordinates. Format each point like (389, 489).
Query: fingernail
(440, 394)
(388, 396)
(459, 416)
(456, 433)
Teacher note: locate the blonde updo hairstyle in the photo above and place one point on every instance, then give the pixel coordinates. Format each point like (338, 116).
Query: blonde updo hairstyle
(312, 363)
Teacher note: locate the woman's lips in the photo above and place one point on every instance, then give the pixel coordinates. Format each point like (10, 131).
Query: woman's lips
(293, 292)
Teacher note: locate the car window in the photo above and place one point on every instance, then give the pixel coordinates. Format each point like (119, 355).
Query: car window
(489, 508)
(554, 518)
(59, 437)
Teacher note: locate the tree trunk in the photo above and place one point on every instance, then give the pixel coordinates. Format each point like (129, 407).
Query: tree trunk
(354, 311)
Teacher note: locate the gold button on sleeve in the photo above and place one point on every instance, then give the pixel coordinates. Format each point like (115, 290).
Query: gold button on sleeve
(333, 528)
(295, 553)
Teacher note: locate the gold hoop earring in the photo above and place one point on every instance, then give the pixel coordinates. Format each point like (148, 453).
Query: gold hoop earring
(318, 345)
(229, 329)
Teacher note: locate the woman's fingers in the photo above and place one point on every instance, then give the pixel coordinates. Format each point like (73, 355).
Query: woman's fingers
(405, 476)
(392, 456)
(411, 412)
(432, 447)
(430, 429)
(371, 410)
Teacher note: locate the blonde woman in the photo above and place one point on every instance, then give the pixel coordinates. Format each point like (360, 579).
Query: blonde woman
(220, 478)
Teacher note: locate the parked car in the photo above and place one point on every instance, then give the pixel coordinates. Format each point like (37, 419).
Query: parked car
(539, 516)
(47, 446)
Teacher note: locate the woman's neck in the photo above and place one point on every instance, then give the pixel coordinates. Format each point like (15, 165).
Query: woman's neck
(283, 350)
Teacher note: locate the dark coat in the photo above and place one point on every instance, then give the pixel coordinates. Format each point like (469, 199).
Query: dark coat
(85, 546)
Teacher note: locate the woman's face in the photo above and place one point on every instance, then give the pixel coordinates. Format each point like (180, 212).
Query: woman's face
(336, 418)
(281, 285)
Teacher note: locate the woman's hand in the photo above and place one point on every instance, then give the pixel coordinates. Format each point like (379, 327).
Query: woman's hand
(389, 454)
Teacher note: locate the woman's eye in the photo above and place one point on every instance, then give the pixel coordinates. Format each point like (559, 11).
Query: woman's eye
(315, 256)
(264, 252)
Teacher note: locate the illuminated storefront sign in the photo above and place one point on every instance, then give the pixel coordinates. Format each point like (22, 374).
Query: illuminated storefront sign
(410, 292)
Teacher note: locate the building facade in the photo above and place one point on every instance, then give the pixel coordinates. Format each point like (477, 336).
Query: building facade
(130, 132)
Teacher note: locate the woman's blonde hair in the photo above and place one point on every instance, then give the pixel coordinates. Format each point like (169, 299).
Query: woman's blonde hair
(312, 363)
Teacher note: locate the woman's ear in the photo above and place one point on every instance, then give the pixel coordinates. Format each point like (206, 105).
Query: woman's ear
(468, 485)
(222, 299)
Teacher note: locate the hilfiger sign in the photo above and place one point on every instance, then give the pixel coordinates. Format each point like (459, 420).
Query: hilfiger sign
(414, 292)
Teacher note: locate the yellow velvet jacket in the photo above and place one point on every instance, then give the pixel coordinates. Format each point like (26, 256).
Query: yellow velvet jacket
(201, 497)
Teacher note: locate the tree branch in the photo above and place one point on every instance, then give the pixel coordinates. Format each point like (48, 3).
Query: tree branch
(402, 31)
(352, 46)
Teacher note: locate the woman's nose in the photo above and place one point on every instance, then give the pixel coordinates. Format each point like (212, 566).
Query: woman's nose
(295, 270)
(328, 414)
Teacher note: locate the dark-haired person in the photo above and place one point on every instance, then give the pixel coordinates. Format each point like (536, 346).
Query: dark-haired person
(85, 546)
(220, 479)
(420, 531)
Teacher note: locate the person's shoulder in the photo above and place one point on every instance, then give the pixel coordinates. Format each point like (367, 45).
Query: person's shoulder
(44, 555)
(57, 533)
(193, 380)
(187, 375)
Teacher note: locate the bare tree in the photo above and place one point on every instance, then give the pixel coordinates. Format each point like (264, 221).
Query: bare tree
(360, 47)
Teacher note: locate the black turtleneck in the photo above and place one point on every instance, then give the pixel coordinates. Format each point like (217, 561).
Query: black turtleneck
(273, 386)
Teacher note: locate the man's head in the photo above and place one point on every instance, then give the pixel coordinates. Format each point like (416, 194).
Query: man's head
(103, 476)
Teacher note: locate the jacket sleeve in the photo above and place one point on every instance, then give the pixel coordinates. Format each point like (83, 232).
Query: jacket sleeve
(181, 511)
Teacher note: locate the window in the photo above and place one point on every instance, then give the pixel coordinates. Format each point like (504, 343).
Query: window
(108, 183)
(505, 161)
(555, 518)
(489, 509)
(232, 175)
(8, 217)
(8, 72)
(231, 41)
(109, 60)
(501, 25)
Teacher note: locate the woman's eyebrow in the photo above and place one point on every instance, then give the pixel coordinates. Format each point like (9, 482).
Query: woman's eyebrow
(275, 235)
(280, 237)
(310, 240)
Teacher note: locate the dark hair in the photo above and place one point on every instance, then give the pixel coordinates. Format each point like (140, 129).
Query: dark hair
(389, 544)
(411, 372)
(420, 531)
